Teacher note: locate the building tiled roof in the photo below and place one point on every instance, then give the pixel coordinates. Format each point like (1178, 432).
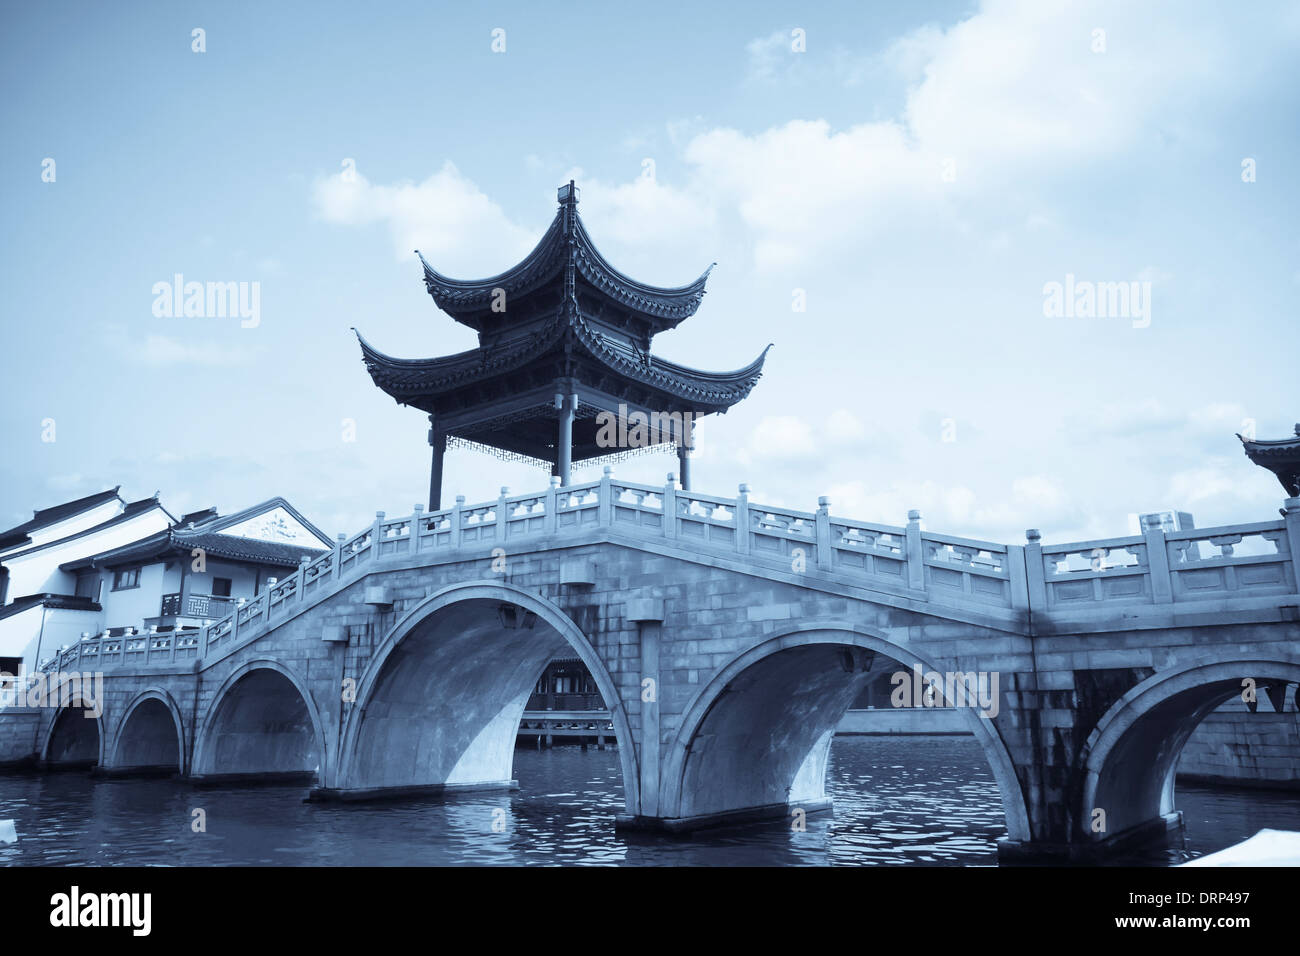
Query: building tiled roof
(131, 510)
(47, 516)
(70, 602)
(214, 544)
(206, 533)
(246, 549)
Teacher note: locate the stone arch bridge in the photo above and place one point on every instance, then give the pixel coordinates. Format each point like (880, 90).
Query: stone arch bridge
(727, 639)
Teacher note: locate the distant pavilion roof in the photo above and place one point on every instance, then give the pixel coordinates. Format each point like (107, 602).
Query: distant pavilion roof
(562, 324)
(1280, 456)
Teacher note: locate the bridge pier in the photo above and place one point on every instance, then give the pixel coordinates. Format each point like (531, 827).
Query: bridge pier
(1165, 830)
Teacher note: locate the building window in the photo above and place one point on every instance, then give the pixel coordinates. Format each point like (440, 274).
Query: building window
(10, 667)
(128, 578)
(221, 587)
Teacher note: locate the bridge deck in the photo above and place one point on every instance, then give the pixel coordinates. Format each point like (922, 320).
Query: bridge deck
(1156, 578)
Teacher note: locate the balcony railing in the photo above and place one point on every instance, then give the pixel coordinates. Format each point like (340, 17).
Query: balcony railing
(211, 607)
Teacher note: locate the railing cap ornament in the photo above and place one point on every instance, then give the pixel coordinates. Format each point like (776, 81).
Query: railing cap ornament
(1032, 536)
(744, 490)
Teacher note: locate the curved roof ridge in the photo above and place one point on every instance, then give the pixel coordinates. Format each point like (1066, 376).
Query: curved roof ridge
(553, 232)
(753, 368)
(369, 352)
(718, 388)
(583, 238)
(393, 373)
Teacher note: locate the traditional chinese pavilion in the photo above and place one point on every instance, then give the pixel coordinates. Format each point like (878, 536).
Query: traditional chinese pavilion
(1281, 457)
(564, 344)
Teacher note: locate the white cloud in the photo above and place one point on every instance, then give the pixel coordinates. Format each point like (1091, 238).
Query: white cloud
(447, 217)
(1013, 96)
(842, 426)
(162, 350)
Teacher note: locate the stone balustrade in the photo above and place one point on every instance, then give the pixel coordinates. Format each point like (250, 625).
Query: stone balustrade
(1248, 560)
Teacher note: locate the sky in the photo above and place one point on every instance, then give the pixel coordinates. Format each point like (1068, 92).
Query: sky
(889, 191)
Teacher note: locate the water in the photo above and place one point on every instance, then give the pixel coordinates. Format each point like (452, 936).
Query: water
(916, 800)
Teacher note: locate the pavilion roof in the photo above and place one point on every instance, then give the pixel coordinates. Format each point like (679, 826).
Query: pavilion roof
(565, 241)
(1280, 456)
(410, 380)
(573, 334)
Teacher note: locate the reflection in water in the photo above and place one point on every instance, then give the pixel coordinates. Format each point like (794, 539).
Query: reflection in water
(916, 800)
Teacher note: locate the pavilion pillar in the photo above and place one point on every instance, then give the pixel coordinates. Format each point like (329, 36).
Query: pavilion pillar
(564, 441)
(438, 441)
(684, 456)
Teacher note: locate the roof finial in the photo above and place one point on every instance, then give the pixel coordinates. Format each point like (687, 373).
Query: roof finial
(569, 194)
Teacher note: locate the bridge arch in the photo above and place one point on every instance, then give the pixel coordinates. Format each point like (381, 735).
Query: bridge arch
(1130, 758)
(782, 662)
(150, 735)
(74, 738)
(447, 686)
(262, 720)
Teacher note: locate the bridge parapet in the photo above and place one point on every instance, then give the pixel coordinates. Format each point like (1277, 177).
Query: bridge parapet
(1247, 560)
(1092, 577)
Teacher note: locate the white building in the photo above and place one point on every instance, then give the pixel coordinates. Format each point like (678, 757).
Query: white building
(102, 565)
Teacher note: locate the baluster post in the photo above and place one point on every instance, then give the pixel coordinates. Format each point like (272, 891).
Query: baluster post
(302, 578)
(824, 533)
(915, 552)
(203, 641)
(605, 515)
(741, 520)
(670, 505)
(338, 556)
(1035, 571)
(550, 521)
(1016, 577)
(416, 526)
(1162, 589)
(502, 515)
(457, 521)
(376, 536)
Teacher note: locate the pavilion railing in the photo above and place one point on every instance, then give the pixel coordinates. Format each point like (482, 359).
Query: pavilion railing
(1155, 568)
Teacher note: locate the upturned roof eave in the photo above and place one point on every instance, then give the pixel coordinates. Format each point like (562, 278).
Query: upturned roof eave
(438, 376)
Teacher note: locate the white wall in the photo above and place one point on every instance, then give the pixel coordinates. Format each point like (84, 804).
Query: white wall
(37, 572)
(129, 607)
(242, 579)
(21, 633)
